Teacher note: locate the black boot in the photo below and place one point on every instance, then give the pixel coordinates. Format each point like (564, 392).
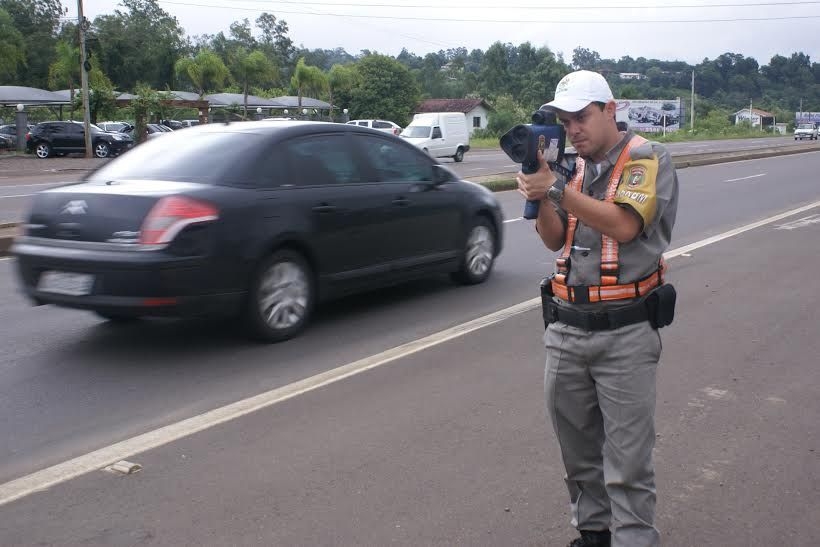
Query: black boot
(591, 538)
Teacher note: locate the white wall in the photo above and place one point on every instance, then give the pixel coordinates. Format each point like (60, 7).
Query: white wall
(477, 112)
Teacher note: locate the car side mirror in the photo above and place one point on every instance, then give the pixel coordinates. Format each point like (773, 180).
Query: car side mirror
(441, 175)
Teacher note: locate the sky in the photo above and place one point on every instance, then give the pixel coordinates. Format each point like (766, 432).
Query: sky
(682, 30)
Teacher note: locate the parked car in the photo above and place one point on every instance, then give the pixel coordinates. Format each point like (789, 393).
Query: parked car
(261, 220)
(805, 131)
(9, 131)
(59, 138)
(116, 127)
(381, 125)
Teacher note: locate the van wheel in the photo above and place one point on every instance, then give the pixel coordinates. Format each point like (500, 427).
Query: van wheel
(479, 253)
(459, 157)
(281, 297)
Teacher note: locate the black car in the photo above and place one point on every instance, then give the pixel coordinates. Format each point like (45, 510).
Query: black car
(60, 138)
(258, 219)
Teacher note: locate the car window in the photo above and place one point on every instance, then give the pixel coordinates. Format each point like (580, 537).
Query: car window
(364, 124)
(393, 161)
(381, 125)
(73, 129)
(321, 160)
(206, 158)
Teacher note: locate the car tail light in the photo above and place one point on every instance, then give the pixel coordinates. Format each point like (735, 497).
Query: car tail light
(28, 136)
(170, 215)
(396, 131)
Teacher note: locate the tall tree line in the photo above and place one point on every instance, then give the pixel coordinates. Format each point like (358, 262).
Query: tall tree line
(142, 45)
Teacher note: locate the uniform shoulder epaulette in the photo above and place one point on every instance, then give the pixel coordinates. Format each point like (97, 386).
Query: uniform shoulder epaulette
(645, 151)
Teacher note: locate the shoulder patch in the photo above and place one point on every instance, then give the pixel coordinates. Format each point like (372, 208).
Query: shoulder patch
(636, 188)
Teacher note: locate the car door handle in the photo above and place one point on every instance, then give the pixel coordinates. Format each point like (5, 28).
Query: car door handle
(401, 202)
(324, 209)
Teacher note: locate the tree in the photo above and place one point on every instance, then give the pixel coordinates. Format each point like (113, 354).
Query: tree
(585, 59)
(341, 81)
(65, 70)
(140, 44)
(37, 22)
(274, 40)
(387, 90)
(252, 68)
(206, 72)
(12, 49)
(494, 74)
(307, 78)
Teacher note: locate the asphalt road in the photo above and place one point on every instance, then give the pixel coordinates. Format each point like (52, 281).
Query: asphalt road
(448, 445)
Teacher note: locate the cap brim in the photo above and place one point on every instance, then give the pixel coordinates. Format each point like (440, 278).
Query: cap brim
(567, 104)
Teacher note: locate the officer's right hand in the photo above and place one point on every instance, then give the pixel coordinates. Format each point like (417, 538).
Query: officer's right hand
(535, 185)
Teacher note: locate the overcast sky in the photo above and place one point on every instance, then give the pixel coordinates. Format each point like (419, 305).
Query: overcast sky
(686, 30)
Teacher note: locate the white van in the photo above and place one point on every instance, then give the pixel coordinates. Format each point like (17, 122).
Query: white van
(440, 134)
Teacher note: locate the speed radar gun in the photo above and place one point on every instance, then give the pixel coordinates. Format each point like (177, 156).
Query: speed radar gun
(523, 142)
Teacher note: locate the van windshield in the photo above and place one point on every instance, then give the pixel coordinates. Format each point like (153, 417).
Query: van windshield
(416, 131)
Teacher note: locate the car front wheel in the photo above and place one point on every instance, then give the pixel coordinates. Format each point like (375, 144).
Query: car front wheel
(281, 297)
(479, 254)
(102, 150)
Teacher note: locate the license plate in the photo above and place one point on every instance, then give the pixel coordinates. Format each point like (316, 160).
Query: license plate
(72, 284)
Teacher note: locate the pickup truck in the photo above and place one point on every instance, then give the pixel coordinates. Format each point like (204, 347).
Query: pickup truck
(805, 131)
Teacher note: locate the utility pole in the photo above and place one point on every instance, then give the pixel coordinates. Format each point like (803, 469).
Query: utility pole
(82, 25)
(692, 105)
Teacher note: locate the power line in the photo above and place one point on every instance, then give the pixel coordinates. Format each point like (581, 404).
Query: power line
(501, 7)
(509, 21)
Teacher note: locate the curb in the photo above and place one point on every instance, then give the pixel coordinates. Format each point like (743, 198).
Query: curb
(499, 182)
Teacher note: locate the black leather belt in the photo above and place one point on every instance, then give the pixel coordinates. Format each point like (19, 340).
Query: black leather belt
(605, 320)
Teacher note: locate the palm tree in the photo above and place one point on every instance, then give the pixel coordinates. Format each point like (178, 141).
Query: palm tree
(65, 68)
(251, 69)
(206, 71)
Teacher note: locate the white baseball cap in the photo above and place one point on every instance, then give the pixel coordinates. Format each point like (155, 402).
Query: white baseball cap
(578, 89)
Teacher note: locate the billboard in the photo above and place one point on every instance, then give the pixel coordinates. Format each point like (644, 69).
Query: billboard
(650, 116)
(807, 117)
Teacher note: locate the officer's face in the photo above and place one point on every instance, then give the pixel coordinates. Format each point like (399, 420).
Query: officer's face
(590, 130)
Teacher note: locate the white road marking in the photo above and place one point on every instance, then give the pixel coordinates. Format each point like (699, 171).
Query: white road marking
(513, 220)
(746, 178)
(800, 223)
(99, 459)
(16, 196)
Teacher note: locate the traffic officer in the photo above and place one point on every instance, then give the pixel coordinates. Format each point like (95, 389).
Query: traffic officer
(606, 300)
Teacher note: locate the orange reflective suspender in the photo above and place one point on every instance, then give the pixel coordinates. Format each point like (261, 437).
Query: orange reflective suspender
(609, 288)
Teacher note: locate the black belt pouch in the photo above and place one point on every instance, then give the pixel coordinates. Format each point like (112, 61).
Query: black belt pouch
(661, 306)
(546, 300)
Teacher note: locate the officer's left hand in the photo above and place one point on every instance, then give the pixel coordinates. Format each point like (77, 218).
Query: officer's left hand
(535, 185)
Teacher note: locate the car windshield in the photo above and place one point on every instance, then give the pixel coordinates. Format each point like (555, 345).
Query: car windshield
(206, 158)
(416, 131)
(805, 126)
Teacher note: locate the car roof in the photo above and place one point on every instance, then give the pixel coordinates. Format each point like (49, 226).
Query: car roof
(281, 127)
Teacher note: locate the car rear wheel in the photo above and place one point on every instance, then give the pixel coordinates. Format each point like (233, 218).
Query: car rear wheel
(459, 157)
(42, 150)
(479, 253)
(102, 150)
(281, 298)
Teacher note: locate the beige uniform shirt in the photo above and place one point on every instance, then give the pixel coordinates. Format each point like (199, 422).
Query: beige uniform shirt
(648, 186)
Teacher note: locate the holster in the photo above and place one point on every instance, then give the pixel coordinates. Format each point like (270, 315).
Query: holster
(661, 306)
(546, 300)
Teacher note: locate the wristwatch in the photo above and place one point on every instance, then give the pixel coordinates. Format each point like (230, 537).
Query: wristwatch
(556, 192)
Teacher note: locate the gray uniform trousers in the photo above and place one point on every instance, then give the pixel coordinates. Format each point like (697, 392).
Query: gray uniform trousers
(600, 392)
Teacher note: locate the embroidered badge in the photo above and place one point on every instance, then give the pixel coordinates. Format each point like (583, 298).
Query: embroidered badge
(636, 176)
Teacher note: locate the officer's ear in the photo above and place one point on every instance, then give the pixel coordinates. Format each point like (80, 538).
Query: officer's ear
(610, 109)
